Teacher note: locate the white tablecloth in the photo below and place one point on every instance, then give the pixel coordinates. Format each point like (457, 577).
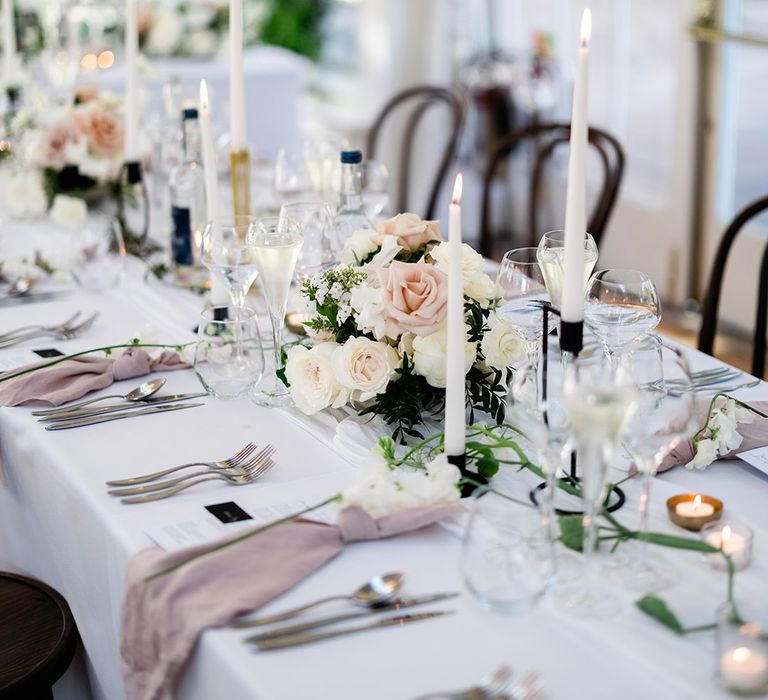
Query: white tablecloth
(58, 524)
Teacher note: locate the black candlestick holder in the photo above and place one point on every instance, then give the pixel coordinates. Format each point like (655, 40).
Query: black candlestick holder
(571, 340)
(460, 461)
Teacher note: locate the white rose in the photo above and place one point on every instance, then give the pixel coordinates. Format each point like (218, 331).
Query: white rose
(69, 212)
(429, 356)
(471, 260)
(366, 302)
(359, 246)
(501, 345)
(165, 33)
(365, 367)
(23, 195)
(313, 383)
(482, 289)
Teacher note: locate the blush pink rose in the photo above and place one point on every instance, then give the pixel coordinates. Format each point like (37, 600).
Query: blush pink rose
(52, 148)
(103, 131)
(411, 231)
(415, 297)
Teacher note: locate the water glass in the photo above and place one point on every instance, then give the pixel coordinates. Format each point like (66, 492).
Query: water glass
(505, 563)
(229, 360)
(551, 257)
(100, 263)
(292, 179)
(227, 254)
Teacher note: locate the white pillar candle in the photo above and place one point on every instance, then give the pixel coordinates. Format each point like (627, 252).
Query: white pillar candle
(744, 670)
(694, 508)
(236, 80)
(455, 413)
(572, 306)
(9, 44)
(131, 107)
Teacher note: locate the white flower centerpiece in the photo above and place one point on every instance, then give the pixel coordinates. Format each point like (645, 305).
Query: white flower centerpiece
(377, 324)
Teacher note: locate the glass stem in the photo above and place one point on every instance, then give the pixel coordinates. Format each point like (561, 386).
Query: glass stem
(593, 484)
(277, 332)
(645, 497)
(237, 295)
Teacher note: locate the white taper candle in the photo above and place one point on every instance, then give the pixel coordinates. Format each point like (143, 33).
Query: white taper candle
(9, 44)
(131, 106)
(236, 80)
(455, 412)
(572, 305)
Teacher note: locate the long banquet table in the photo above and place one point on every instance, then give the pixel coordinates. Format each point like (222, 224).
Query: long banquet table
(58, 524)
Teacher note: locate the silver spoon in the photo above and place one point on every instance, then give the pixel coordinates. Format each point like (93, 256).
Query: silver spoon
(141, 392)
(19, 287)
(378, 590)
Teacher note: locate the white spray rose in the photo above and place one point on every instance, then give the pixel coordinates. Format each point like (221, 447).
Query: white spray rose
(69, 212)
(501, 345)
(313, 382)
(477, 285)
(429, 353)
(364, 367)
(359, 246)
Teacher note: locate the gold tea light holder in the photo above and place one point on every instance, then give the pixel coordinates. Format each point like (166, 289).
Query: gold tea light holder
(693, 511)
(240, 175)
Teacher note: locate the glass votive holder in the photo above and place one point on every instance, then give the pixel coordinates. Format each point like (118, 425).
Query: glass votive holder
(733, 539)
(741, 649)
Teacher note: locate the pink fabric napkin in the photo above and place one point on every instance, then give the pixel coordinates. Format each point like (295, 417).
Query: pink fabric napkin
(162, 619)
(754, 435)
(71, 379)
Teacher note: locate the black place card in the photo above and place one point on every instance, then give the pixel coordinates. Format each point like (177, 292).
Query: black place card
(48, 352)
(228, 512)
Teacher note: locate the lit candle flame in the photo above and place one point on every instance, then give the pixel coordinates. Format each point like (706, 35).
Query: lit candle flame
(696, 502)
(740, 655)
(458, 187)
(586, 27)
(726, 535)
(203, 95)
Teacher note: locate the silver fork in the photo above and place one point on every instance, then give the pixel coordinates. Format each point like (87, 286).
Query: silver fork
(62, 333)
(491, 687)
(236, 481)
(244, 469)
(35, 328)
(224, 464)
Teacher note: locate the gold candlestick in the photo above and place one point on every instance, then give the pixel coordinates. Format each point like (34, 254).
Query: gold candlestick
(240, 173)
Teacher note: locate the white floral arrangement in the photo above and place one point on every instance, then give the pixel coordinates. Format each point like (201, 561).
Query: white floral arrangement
(74, 150)
(182, 29)
(378, 325)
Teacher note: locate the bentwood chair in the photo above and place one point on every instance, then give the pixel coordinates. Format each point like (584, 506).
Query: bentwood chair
(712, 298)
(544, 139)
(420, 100)
(38, 638)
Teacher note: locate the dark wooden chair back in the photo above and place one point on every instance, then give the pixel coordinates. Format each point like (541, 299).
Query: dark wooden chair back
(712, 298)
(421, 98)
(545, 139)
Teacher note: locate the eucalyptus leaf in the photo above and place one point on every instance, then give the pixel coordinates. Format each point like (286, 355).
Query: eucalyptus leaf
(656, 608)
(571, 531)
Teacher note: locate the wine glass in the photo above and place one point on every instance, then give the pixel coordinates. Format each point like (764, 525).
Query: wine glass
(315, 222)
(375, 188)
(664, 416)
(621, 307)
(276, 246)
(292, 179)
(227, 254)
(551, 256)
(599, 402)
(523, 290)
(229, 359)
(100, 262)
(503, 563)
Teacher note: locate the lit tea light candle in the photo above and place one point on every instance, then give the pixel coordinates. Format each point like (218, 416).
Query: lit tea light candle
(744, 670)
(732, 539)
(693, 510)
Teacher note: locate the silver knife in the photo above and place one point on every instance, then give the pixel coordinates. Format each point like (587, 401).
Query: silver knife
(82, 422)
(65, 414)
(394, 606)
(293, 640)
(30, 298)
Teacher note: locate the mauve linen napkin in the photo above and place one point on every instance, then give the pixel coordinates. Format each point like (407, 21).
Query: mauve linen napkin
(162, 619)
(71, 379)
(754, 434)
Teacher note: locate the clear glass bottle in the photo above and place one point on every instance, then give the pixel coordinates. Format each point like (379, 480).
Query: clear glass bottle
(188, 206)
(351, 214)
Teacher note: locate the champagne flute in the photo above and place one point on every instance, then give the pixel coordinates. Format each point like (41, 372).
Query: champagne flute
(551, 257)
(521, 281)
(599, 402)
(276, 246)
(315, 222)
(621, 307)
(664, 416)
(227, 254)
